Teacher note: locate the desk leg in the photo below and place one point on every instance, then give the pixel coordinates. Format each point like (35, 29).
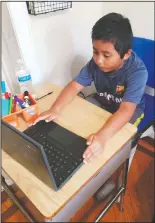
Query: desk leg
(124, 182)
(15, 200)
(120, 193)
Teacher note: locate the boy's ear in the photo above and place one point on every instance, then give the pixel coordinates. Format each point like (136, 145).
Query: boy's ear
(126, 56)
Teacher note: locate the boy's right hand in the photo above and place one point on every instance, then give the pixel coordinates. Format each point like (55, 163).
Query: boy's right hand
(48, 116)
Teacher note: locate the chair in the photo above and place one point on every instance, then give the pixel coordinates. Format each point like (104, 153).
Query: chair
(145, 48)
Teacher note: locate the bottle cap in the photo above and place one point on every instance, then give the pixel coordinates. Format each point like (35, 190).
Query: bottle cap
(26, 93)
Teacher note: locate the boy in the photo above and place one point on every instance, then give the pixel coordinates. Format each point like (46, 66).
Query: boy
(119, 77)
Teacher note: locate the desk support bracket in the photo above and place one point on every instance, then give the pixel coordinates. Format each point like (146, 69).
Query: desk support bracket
(15, 200)
(120, 193)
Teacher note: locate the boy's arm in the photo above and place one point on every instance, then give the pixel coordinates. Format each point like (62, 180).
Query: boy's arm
(67, 95)
(132, 97)
(64, 98)
(82, 80)
(121, 117)
(97, 141)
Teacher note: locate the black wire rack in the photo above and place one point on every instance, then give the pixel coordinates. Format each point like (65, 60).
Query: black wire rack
(42, 7)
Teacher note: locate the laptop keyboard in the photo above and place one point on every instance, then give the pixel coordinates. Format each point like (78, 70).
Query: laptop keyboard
(62, 164)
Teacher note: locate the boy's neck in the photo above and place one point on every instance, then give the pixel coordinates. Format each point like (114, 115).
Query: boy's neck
(119, 67)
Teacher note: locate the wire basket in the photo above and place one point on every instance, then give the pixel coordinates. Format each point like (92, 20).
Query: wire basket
(42, 7)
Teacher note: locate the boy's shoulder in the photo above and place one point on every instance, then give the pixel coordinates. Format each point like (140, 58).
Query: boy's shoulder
(135, 68)
(134, 63)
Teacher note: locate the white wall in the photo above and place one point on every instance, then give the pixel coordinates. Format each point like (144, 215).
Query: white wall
(61, 41)
(10, 51)
(24, 36)
(140, 14)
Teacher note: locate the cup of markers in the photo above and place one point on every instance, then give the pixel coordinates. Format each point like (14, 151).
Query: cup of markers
(13, 105)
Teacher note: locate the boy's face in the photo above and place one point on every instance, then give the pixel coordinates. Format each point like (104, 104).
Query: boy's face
(106, 57)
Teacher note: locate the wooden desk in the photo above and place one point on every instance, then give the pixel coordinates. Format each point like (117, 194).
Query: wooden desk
(83, 118)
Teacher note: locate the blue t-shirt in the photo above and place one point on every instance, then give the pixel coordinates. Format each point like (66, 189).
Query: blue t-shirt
(127, 84)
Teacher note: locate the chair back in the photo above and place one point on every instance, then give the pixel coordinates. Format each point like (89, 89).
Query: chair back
(145, 49)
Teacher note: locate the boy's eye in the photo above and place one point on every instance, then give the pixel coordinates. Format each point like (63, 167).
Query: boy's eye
(95, 52)
(106, 56)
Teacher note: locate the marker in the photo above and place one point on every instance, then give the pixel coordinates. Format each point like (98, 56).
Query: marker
(20, 102)
(6, 95)
(10, 109)
(20, 105)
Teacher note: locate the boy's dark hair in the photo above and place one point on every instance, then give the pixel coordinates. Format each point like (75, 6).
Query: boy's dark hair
(116, 29)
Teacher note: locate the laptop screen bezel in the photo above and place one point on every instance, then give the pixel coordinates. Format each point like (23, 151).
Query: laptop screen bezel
(41, 148)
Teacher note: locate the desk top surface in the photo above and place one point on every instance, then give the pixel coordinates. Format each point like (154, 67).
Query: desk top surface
(82, 118)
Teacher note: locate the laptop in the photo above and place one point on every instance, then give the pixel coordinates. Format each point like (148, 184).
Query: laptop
(49, 151)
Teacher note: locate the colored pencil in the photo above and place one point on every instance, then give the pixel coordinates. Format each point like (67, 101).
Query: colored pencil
(10, 108)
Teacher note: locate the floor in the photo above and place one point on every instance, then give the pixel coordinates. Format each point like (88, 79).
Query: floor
(139, 197)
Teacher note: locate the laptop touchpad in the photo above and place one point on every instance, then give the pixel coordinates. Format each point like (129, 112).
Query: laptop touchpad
(68, 140)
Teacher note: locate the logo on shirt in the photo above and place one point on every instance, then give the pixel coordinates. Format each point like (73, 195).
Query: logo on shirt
(119, 89)
(111, 98)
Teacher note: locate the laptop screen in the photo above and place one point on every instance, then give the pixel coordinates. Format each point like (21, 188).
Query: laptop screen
(25, 153)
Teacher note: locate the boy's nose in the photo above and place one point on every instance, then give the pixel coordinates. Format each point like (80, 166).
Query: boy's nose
(100, 61)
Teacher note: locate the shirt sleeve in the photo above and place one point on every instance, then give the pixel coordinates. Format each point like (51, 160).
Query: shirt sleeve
(135, 87)
(85, 76)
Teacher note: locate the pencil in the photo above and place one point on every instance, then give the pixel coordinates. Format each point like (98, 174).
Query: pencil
(10, 108)
(14, 105)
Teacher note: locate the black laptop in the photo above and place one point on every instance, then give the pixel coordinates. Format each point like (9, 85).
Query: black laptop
(49, 151)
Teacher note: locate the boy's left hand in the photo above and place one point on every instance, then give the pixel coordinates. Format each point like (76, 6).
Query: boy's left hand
(95, 147)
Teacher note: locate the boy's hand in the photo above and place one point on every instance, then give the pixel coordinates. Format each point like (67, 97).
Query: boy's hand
(95, 147)
(48, 116)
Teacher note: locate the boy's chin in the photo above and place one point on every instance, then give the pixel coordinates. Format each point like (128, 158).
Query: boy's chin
(105, 70)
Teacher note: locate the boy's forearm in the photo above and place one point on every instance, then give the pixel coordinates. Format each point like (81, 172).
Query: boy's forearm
(66, 96)
(115, 123)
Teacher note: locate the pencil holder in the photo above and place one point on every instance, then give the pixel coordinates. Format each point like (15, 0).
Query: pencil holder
(12, 119)
(29, 114)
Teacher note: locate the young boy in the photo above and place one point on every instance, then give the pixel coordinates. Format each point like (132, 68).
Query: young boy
(119, 77)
